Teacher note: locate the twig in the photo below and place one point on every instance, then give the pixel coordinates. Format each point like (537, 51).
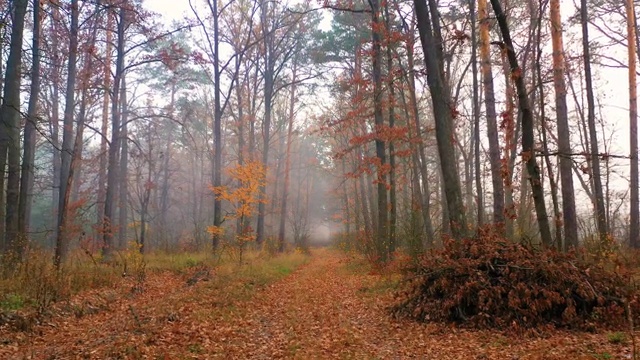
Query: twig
(135, 316)
(627, 306)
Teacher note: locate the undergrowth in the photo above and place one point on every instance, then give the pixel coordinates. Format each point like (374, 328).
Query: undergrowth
(490, 282)
(35, 284)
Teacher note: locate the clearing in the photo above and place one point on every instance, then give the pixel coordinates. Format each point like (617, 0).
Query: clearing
(330, 307)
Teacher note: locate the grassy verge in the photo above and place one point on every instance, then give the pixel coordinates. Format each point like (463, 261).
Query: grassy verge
(35, 284)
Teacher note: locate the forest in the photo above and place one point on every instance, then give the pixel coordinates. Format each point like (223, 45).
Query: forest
(446, 179)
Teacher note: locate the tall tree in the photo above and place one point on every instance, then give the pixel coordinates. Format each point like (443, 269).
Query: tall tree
(601, 214)
(287, 165)
(10, 132)
(123, 196)
(490, 108)
(476, 114)
(67, 138)
(634, 228)
(528, 151)
(391, 96)
(28, 157)
(443, 112)
(114, 146)
(102, 172)
(570, 222)
(382, 235)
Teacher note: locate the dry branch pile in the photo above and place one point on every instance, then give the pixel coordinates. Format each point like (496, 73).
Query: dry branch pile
(490, 282)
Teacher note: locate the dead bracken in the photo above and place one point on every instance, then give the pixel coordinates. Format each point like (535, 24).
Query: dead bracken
(489, 282)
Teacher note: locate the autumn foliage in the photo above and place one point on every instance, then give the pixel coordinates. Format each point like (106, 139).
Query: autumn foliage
(490, 282)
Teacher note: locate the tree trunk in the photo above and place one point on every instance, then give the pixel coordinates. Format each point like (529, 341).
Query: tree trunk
(570, 223)
(490, 107)
(545, 145)
(442, 109)
(382, 230)
(393, 203)
(28, 157)
(601, 215)
(476, 117)
(217, 127)
(114, 147)
(67, 141)
(123, 173)
(634, 226)
(528, 151)
(266, 124)
(10, 132)
(102, 172)
(424, 173)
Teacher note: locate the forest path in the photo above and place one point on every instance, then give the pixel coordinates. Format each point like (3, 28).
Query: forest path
(329, 308)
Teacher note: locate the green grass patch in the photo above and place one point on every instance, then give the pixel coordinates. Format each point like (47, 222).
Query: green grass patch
(617, 338)
(12, 302)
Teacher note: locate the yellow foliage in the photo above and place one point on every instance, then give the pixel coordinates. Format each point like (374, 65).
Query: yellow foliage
(215, 230)
(250, 177)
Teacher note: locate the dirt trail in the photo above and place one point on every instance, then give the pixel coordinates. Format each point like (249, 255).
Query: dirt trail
(323, 310)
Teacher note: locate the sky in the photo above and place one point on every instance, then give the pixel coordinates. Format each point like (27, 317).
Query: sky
(170, 9)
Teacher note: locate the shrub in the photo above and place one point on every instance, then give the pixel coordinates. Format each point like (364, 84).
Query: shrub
(490, 282)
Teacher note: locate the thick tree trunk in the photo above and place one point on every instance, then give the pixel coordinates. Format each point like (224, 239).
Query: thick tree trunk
(442, 109)
(382, 229)
(266, 123)
(528, 151)
(10, 133)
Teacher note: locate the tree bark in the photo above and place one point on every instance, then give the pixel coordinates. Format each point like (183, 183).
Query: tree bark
(217, 126)
(393, 202)
(424, 173)
(67, 140)
(476, 118)
(442, 109)
(570, 223)
(28, 156)
(490, 108)
(287, 164)
(601, 214)
(634, 223)
(114, 147)
(102, 172)
(123, 173)
(268, 104)
(10, 133)
(528, 151)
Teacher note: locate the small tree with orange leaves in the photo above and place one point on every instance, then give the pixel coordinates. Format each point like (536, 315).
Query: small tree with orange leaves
(244, 199)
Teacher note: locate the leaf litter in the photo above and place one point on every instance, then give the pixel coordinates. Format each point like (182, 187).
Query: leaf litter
(323, 310)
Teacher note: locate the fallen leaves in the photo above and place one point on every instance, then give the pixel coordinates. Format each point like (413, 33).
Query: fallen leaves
(319, 311)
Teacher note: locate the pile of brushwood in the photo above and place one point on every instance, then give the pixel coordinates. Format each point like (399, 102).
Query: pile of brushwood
(490, 282)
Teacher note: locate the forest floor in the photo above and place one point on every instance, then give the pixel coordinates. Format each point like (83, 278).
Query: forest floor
(330, 307)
